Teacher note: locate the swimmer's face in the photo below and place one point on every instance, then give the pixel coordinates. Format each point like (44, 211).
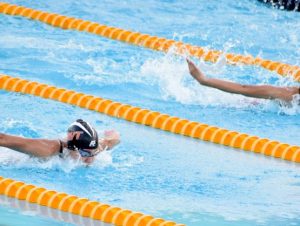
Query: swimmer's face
(87, 160)
(76, 155)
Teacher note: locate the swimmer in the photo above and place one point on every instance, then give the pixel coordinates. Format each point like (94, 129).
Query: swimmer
(258, 91)
(82, 142)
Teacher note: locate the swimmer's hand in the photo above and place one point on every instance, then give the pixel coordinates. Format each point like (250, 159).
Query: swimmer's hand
(195, 71)
(110, 140)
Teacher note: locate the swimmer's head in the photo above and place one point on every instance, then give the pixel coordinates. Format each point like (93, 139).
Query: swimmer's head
(81, 135)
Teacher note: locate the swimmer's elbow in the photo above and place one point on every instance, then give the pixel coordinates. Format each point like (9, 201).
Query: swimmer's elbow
(246, 90)
(45, 148)
(53, 148)
(261, 91)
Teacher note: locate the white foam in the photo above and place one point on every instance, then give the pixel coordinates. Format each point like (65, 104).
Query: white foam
(17, 160)
(103, 160)
(39, 43)
(172, 76)
(14, 159)
(127, 161)
(292, 108)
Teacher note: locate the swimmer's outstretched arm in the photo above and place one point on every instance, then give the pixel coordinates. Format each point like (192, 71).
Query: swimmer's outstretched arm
(34, 147)
(257, 91)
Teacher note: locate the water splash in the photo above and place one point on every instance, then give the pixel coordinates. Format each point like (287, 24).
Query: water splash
(12, 159)
(128, 161)
(16, 160)
(292, 108)
(44, 43)
(171, 75)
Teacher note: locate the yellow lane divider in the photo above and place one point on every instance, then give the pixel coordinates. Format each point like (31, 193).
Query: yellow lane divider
(145, 40)
(155, 119)
(79, 206)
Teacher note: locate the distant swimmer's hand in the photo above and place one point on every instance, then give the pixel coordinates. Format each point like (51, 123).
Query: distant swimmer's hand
(194, 71)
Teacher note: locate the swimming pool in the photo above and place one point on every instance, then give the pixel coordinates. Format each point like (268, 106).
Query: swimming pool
(11, 216)
(165, 175)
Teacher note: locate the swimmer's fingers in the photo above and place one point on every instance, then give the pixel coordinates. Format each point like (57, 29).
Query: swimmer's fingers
(191, 64)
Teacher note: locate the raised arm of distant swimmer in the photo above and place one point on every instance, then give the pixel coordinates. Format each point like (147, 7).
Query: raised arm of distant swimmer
(34, 147)
(257, 91)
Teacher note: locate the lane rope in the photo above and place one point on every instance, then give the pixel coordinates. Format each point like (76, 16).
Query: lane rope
(78, 206)
(147, 41)
(154, 119)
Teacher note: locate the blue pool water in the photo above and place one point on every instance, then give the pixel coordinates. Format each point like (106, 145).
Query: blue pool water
(8, 218)
(154, 172)
(14, 212)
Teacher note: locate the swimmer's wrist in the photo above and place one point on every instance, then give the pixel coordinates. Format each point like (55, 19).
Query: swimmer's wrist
(203, 80)
(103, 145)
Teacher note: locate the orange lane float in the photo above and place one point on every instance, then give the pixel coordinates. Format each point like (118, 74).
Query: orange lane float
(145, 40)
(155, 119)
(79, 206)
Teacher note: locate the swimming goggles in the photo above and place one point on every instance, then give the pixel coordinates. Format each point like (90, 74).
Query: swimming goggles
(87, 153)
